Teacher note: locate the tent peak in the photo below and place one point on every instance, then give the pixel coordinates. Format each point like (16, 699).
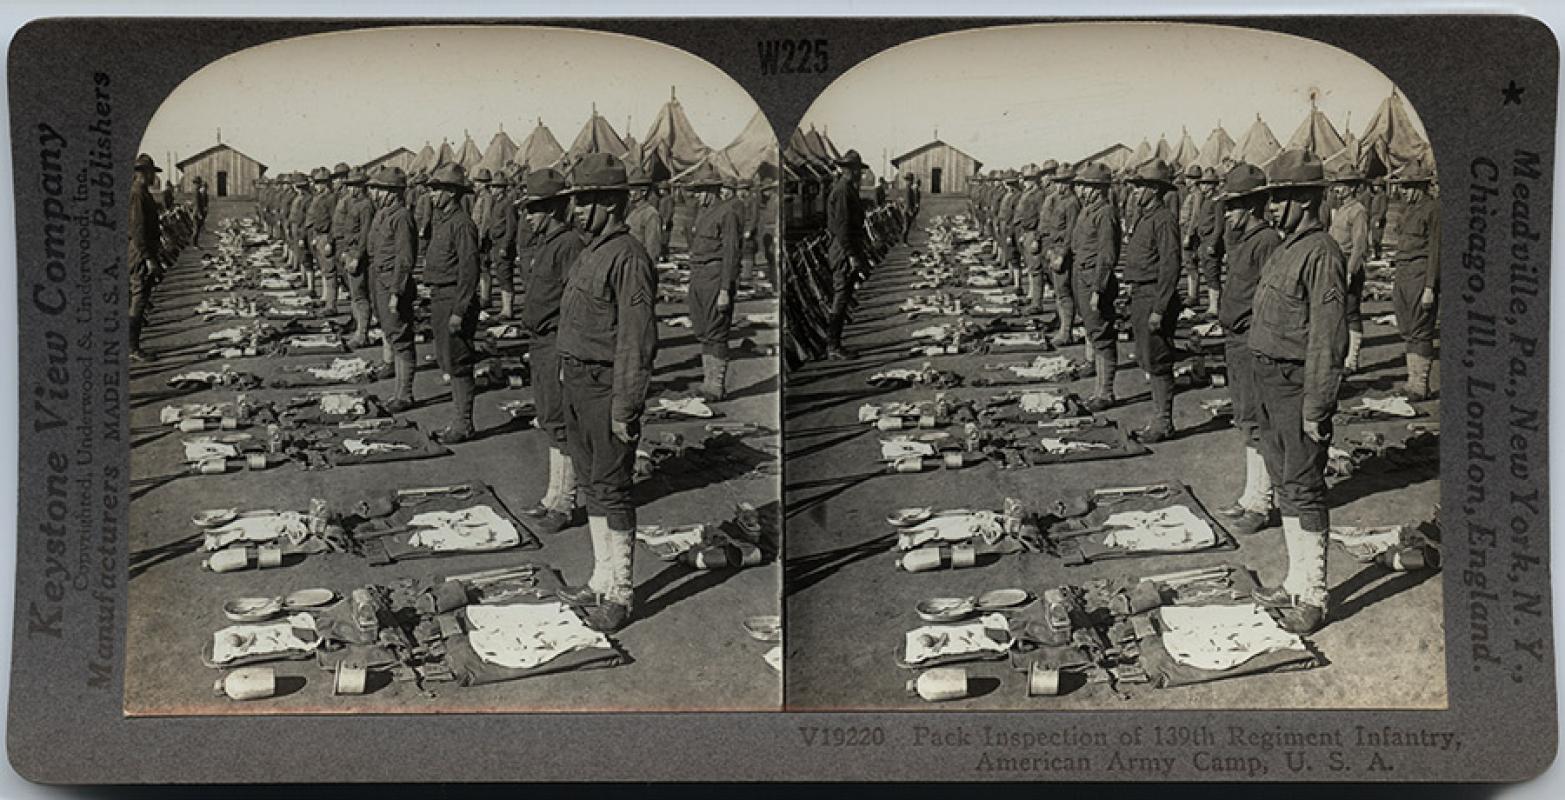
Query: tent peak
(673, 93)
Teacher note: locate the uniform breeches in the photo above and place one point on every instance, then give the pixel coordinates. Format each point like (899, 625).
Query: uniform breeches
(548, 391)
(396, 316)
(1242, 388)
(327, 264)
(1355, 301)
(502, 271)
(454, 351)
(1098, 320)
(711, 323)
(1415, 322)
(1154, 346)
(1295, 462)
(604, 464)
(358, 279)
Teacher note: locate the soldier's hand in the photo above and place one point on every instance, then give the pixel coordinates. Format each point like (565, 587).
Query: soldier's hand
(723, 301)
(1318, 431)
(1427, 299)
(1093, 301)
(627, 432)
(1155, 320)
(454, 324)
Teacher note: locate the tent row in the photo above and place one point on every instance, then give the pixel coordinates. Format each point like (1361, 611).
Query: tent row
(1389, 143)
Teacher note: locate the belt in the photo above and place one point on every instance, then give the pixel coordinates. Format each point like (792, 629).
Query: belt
(1266, 359)
(570, 359)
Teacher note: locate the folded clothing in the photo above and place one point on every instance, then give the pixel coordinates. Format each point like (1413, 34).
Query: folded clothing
(290, 638)
(475, 528)
(988, 637)
(1169, 529)
(259, 527)
(1222, 637)
(528, 635)
(954, 526)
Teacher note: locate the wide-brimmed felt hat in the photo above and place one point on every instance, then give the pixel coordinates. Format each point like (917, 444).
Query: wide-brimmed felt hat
(1193, 172)
(144, 163)
(1209, 175)
(1093, 174)
(389, 177)
(598, 172)
(1296, 169)
(544, 184)
(482, 175)
(1048, 168)
(1243, 180)
(704, 177)
(299, 179)
(499, 180)
(850, 159)
(1156, 172)
(340, 170)
(1348, 175)
(1064, 173)
(450, 177)
(356, 177)
(1413, 173)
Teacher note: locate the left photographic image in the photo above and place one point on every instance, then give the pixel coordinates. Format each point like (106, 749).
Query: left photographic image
(433, 410)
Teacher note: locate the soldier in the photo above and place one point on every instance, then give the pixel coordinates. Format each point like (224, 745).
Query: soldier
(451, 270)
(201, 201)
(317, 231)
(643, 219)
(608, 343)
(144, 255)
(423, 207)
(1059, 219)
(166, 195)
(665, 203)
(845, 254)
(1024, 229)
(1379, 204)
(1190, 196)
(298, 235)
(499, 236)
(478, 208)
(748, 204)
(1244, 202)
(1417, 279)
(1209, 235)
(908, 199)
(557, 246)
(1005, 219)
(1299, 338)
(350, 237)
(1094, 250)
(1152, 267)
(715, 242)
(1350, 229)
(392, 253)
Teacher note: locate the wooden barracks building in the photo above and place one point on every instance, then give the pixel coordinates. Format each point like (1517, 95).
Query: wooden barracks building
(225, 171)
(941, 168)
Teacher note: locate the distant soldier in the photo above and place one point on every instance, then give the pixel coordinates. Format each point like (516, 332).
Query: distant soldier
(1010, 257)
(451, 270)
(144, 251)
(608, 343)
(1025, 219)
(1379, 204)
(1059, 218)
(1299, 338)
(1094, 250)
(499, 238)
(715, 247)
(201, 201)
(1209, 242)
(481, 201)
(643, 220)
(1350, 230)
(1244, 201)
(1153, 263)
(298, 233)
(392, 256)
(352, 243)
(555, 249)
(1417, 282)
(665, 205)
(845, 253)
(317, 231)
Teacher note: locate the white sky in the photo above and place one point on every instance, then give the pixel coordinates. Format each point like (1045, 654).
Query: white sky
(351, 96)
(1009, 96)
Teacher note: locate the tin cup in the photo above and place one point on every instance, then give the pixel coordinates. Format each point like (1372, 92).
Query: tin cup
(1042, 681)
(351, 678)
(269, 556)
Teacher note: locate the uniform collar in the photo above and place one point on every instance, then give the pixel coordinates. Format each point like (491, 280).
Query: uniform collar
(1310, 226)
(611, 230)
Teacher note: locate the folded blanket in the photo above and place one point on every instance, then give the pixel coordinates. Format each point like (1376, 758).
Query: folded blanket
(989, 637)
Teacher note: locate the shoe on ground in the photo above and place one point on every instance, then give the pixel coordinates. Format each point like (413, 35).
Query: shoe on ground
(1231, 511)
(1302, 619)
(1154, 433)
(606, 617)
(839, 354)
(1253, 522)
(452, 434)
(399, 405)
(1099, 403)
(140, 356)
(1272, 597)
(555, 521)
(577, 596)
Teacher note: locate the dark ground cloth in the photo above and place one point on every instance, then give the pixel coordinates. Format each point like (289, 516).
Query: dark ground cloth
(847, 605)
(687, 648)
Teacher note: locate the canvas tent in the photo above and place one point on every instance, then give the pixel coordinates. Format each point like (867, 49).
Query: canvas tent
(596, 136)
(1219, 146)
(445, 155)
(1142, 154)
(498, 153)
(1392, 140)
(1317, 135)
(1186, 153)
(671, 145)
(1163, 151)
(753, 153)
(1115, 157)
(469, 155)
(539, 150)
(1258, 146)
(424, 161)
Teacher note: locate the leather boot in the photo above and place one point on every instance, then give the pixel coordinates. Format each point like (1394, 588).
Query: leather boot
(1355, 341)
(586, 595)
(403, 366)
(1301, 599)
(461, 427)
(1162, 426)
(483, 289)
(715, 371)
(1066, 306)
(1035, 284)
(1103, 396)
(359, 310)
(507, 299)
(834, 324)
(137, 354)
(1089, 369)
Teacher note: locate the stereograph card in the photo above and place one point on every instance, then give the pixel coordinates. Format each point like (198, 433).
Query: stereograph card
(925, 399)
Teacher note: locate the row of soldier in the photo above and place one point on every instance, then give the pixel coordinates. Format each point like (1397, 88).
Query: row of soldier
(586, 245)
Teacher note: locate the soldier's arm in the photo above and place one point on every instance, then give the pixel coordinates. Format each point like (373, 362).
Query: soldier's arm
(361, 247)
(465, 240)
(732, 238)
(1325, 280)
(1166, 240)
(1108, 248)
(636, 340)
(406, 239)
(1432, 276)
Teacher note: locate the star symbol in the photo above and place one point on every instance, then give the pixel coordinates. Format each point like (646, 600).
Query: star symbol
(1513, 94)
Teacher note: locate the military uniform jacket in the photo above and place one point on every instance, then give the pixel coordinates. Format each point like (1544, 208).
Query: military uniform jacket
(1249, 252)
(556, 252)
(483, 201)
(423, 213)
(606, 315)
(317, 218)
(666, 211)
(1350, 229)
(1209, 226)
(1024, 215)
(1379, 204)
(1008, 211)
(201, 200)
(298, 210)
(1301, 314)
(499, 228)
(715, 245)
(352, 232)
(646, 225)
(339, 217)
(1062, 219)
(1094, 243)
(143, 233)
(393, 248)
(845, 217)
(1152, 255)
(1418, 242)
(452, 256)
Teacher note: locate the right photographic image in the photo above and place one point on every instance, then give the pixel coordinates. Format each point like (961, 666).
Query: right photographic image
(1111, 363)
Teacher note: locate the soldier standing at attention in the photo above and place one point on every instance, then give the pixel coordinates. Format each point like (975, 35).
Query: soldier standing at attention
(317, 231)
(1349, 228)
(1417, 279)
(665, 205)
(1299, 338)
(201, 201)
(1060, 217)
(1244, 198)
(608, 342)
(1010, 258)
(909, 203)
(1379, 204)
(298, 237)
(555, 249)
(643, 220)
(1209, 232)
(392, 254)
(715, 248)
(500, 238)
(1024, 227)
(451, 270)
(144, 254)
(845, 255)
(351, 236)
(1094, 249)
(1152, 267)
(478, 209)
